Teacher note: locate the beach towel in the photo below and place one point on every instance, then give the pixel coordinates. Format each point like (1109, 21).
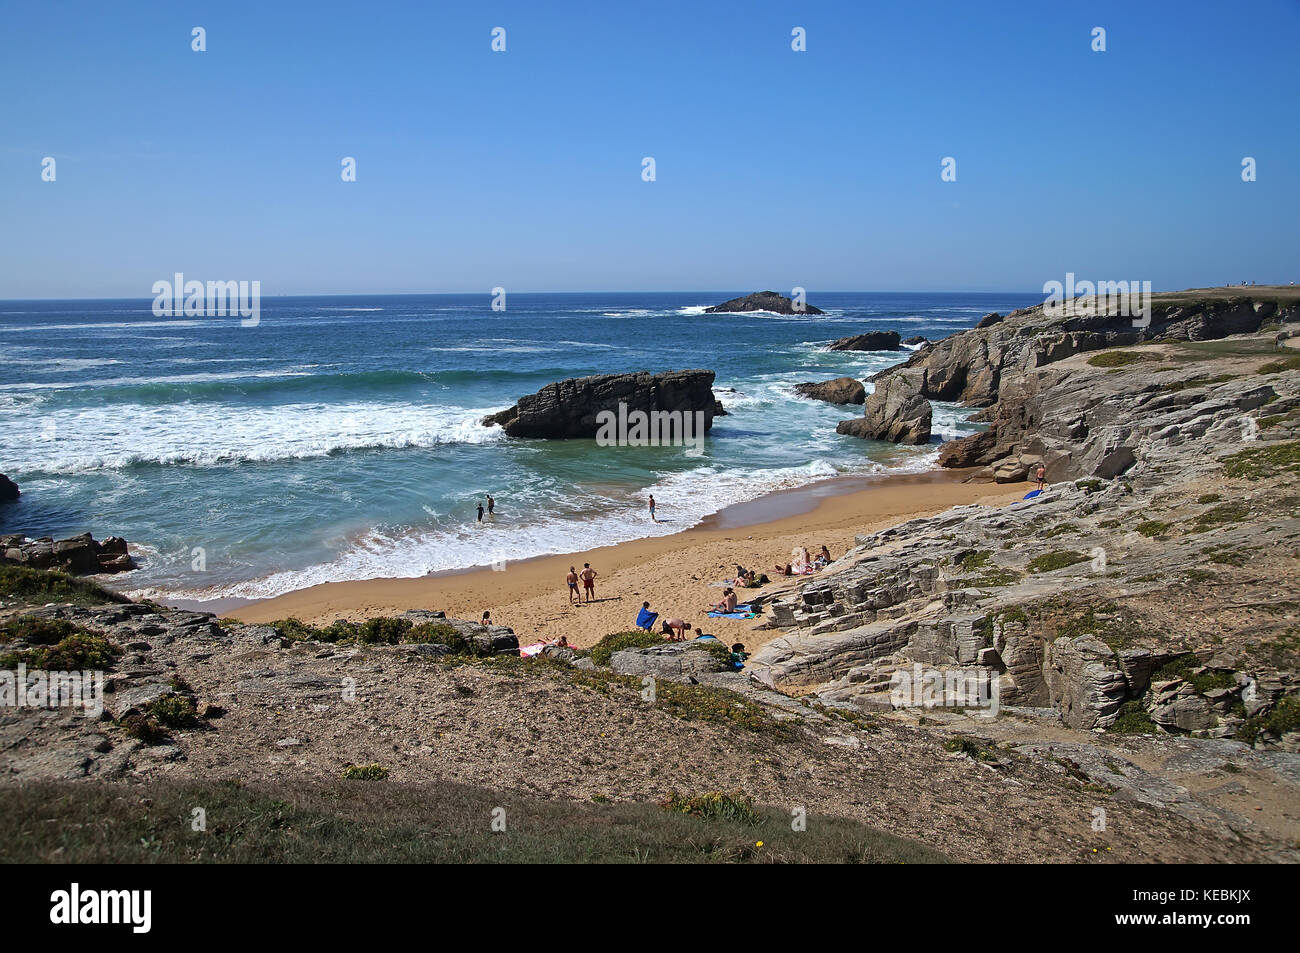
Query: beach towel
(528, 651)
(742, 612)
(1031, 494)
(645, 619)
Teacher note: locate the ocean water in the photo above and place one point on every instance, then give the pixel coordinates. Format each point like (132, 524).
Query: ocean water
(340, 438)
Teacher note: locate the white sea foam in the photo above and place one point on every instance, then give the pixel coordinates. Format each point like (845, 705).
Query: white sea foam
(684, 500)
(100, 438)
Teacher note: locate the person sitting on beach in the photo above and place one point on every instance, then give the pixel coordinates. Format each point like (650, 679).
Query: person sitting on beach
(699, 634)
(487, 618)
(645, 619)
(728, 603)
(572, 580)
(675, 629)
(564, 642)
(784, 570)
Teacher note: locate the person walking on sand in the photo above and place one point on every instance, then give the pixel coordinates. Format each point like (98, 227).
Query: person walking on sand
(652, 509)
(1041, 477)
(572, 580)
(480, 512)
(588, 582)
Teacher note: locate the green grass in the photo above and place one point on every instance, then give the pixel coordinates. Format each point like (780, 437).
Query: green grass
(1182, 667)
(1057, 559)
(1271, 459)
(39, 586)
(381, 630)
(365, 772)
(345, 822)
(174, 711)
(1133, 720)
(80, 651)
(1061, 530)
(604, 650)
(1175, 386)
(1284, 717)
(1119, 358)
(1277, 367)
(975, 560)
(1219, 515)
(35, 630)
(714, 805)
(1150, 528)
(972, 747)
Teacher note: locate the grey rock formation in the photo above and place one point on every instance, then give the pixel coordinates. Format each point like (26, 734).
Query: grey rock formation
(677, 661)
(569, 408)
(895, 411)
(868, 341)
(762, 301)
(79, 555)
(841, 390)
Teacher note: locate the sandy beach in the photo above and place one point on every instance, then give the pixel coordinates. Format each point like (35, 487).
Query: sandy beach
(676, 574)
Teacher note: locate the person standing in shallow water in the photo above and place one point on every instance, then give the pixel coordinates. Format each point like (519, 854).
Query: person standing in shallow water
(492, 505)
(480, 512)
(652, 509)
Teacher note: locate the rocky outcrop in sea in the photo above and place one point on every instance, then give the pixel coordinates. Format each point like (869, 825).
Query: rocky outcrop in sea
(569, 408)
(79, 555)
(762, 301)
(841, 390)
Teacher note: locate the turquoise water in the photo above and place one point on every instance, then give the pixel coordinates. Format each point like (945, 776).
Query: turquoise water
(340, 438)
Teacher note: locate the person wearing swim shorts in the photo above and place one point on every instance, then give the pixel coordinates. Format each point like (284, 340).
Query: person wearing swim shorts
(588, 582)
(572, 580)
(652, 509)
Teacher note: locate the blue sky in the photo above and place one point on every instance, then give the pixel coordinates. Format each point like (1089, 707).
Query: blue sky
(523, 169)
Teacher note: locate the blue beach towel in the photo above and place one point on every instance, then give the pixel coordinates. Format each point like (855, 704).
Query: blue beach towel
(645, 619)
(1031, 494)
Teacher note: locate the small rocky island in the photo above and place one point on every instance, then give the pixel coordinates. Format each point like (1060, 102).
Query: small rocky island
(762, 301)
(568, 408)
(841, 390)
(869, 341)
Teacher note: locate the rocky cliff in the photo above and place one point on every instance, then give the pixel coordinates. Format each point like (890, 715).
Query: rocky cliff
(1142, 592)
